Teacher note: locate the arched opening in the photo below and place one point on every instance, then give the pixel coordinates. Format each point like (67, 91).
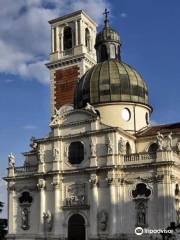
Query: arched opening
(153, 148)
(87, 38)
(128, 149)
(76, 228)
(104, 55)
(112, 51)
(76, 152)
(67, 40)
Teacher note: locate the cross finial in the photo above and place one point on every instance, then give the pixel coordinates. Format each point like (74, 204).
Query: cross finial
(106, 20)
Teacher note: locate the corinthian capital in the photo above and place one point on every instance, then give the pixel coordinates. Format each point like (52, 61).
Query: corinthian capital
(41, 184)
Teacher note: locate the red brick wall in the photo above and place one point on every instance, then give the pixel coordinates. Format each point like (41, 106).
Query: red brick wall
(65, 82)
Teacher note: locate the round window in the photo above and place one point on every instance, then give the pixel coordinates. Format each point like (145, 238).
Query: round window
(126, 114)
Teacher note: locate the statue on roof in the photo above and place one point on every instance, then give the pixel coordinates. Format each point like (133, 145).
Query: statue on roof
(12, 160)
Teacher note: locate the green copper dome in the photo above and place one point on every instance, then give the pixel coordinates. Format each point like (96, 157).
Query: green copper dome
(110, 81)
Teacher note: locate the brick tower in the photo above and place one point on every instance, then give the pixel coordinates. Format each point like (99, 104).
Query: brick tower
(72, 54)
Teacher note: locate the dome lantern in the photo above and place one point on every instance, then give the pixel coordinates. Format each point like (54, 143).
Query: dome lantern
(107, 42)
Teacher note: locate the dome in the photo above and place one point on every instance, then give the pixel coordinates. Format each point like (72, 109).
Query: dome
(107, 34)
(108, 82)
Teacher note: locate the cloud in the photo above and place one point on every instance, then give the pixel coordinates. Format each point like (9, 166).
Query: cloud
(30, 127)
(25, 33)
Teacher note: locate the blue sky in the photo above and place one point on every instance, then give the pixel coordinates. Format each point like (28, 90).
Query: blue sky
(150, 33)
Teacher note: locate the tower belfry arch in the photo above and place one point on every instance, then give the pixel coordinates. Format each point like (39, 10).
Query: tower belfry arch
(72, 54)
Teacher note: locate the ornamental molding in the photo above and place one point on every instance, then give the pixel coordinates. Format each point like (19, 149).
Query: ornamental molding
(83, 134)
(69, 61)
(93, 180)
(41, 184)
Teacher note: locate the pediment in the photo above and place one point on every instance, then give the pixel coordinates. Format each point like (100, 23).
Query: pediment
(73, 117)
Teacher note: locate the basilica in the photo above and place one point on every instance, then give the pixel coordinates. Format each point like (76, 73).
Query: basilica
(103, 170)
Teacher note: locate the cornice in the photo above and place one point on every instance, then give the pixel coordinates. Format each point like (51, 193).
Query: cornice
(69, 60)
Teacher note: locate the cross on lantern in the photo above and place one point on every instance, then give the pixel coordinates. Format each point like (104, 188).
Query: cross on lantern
(106, 12)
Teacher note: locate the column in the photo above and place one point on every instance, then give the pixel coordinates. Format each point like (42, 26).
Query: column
(113, 204)
(56, 186)
(42, 204)
(76, 34)
(80, 32)
(93, 204)
(11, 208)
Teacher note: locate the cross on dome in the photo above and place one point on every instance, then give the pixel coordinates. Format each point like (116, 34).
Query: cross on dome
(106, 21)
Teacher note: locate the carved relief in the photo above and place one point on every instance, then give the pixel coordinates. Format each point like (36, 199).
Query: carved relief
(48, 221)
(75, 195)
(102, 220)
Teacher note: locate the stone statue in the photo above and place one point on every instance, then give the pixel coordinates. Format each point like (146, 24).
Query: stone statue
(141, 218)
(102, 220)
(48, 221)
(89, 107)
(169, 142)
(56, 154)
(160, 141)
(25, 219)
(12, 160)
(41, 155)
(109, 146)
(56, 113)
(32, 144)
(93, 148)
(122, 146)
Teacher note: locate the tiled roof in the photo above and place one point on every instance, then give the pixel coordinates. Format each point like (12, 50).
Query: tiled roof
(166, 128)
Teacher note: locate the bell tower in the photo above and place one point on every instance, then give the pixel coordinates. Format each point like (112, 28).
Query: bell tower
(72, 54)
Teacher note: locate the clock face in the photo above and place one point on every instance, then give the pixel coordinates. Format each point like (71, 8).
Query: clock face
(126, 114)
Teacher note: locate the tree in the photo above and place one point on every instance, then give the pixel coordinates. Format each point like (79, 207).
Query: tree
(3, 224)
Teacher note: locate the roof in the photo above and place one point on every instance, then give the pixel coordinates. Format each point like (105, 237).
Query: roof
(72, 15)
(111, 81)
(165, 128)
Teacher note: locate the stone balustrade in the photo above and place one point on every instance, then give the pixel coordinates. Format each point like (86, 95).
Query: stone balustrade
(25, 169)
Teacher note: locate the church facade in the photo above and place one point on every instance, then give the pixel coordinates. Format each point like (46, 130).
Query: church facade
(103, 170)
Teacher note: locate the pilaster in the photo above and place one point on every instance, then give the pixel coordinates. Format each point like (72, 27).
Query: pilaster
(42, 201)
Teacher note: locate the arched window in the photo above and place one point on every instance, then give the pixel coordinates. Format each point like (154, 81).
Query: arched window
(153, 148)
(104, 55)
(128, 149)
(87, 38)
(67, 40)
(76, 152)
(112, 51)
(76, 228)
